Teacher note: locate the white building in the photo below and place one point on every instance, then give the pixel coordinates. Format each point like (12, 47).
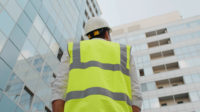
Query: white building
(166, 52)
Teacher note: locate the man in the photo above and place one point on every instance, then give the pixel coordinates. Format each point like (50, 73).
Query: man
(97, 75)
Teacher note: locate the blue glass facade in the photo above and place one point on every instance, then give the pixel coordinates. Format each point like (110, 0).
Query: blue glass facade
(33, 35)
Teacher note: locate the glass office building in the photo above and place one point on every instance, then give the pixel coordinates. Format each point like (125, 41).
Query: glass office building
(33, 36)
(167, 60)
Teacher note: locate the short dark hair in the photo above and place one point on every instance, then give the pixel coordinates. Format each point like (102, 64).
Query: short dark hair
(101, 33)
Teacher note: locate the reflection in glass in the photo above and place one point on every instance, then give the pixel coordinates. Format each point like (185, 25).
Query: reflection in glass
(34, 37)
(4, 74)
(10, 53)
(39, 25)
(28, 51)
(14, 87)
(42, 48)
(47, 74)
(2, 41)
(38, 105)
(25, 23)
(6, 23)
(21, 67)
(18, 37)
(30, 11)
(38, 63)
(54, 47)
(47, 36)
(26, 99)
(22, 3)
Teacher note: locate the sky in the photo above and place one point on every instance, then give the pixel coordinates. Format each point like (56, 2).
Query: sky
(118, 12)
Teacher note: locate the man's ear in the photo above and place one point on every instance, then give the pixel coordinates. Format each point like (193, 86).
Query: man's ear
(107, 36)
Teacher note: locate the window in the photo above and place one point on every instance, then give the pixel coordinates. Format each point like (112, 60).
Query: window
(43, 13)
(14, 87)
(38, 105)
(174, 99)
(158, 69)
(169, 82)
(28, 51)
(25, 23)
(161, 31)
(168, 53)
(22, 3)
(160, 87)
(6, 23)
(157, 32)
(54, 46)
(10, 53)
(166, 100)
(30, 11)
(47, 36)
(182, 98)
(14, 12)
(162, 54)
(141, 72)
(165, 67)
(26, 99)
(179, 102)
(43, 48)
(159, 43)
(176, 81)
(60, 53)
(153, 44)
(51, 24)
(39, 24)
(34, 36)
(165, 41)
(151, 34)
(18, 37)
(164, 104)
(4, 74)
(2, 40)
(172, 66)
(47, 74)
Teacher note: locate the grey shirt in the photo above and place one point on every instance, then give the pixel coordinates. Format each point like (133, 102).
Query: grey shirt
(59, 85)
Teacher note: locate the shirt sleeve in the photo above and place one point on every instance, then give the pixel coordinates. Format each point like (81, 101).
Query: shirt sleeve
(135, 85)
(59, 85)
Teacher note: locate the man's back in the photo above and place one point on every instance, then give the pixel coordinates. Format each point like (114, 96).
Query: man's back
(98, 77)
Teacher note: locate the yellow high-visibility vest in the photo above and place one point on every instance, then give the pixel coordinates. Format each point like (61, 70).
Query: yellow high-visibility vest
(99, 78)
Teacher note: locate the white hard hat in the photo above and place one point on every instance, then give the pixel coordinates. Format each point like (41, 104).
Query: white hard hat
(95, 23)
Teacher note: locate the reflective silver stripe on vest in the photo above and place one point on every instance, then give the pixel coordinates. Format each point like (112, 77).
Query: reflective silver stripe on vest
(98, 91)
(114, 67)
